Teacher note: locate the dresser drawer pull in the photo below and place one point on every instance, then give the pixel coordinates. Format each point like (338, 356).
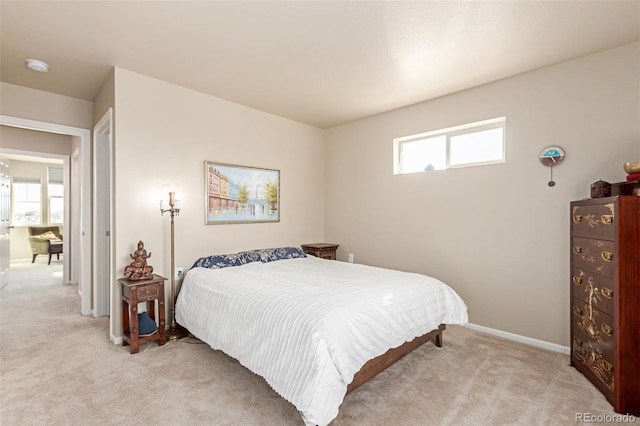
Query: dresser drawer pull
(606, 292)
(577, 341)
(577, 280)
(606, 329)
(577, 218)
(577, 249)
(607, 219)
(606, 256)
(577, 311)
(607, 366)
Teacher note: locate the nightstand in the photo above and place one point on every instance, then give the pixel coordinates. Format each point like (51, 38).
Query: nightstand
(322, 250)
(134, 292)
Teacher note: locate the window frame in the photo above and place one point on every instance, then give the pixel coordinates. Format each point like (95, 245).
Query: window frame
(448, 133)
(25, 181)
(54, 179)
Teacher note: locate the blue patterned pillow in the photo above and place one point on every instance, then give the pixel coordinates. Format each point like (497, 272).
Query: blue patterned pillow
(237, 259)
(219, 261)
(250, 256)
(271, 254)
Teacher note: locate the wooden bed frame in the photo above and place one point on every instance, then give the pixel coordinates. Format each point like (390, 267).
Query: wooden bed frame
(380, 363)
(377, 365)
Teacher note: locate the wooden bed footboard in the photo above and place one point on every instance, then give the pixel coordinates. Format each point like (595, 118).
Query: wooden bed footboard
(380, 363)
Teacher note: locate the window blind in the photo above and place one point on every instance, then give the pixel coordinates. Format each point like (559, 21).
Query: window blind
(17, 179)
(55, 175)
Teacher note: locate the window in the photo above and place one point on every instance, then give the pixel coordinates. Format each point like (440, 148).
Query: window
(56, 195)
(26, 201)
(468, 145)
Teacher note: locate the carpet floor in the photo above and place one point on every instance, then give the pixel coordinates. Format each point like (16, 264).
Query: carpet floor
(59, 368)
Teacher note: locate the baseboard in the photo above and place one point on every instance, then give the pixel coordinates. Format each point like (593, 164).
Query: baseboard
(505, 334)
(519, 338)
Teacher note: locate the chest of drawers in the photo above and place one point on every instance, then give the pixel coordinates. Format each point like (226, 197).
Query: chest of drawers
(605, 297)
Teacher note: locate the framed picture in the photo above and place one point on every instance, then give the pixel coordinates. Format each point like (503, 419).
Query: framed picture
(239, 194)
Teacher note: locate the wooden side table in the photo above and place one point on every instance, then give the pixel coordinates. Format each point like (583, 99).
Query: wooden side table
(134, 292)
(322, 250)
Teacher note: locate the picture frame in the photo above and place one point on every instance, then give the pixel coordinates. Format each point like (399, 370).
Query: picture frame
(240, 194)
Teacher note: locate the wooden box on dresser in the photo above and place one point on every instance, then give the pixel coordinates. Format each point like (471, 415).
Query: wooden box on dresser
(605, 297)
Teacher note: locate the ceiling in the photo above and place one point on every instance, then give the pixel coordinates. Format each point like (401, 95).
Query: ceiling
(323, 63)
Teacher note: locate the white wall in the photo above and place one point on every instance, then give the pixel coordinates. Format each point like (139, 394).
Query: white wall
(17, 139)
(105, 99)
(163, 136)
(32, 104)
(497, 234)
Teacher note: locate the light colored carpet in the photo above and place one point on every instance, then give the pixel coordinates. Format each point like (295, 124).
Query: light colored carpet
(59, 368)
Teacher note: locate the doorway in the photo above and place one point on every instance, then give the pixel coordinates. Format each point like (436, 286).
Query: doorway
(82, 189)
(43, 178)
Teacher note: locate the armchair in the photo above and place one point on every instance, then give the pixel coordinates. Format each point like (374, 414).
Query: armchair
(45, 240)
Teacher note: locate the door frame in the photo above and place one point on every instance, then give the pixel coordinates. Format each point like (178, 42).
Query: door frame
(5, 221)
(75, 211)
(84, 226)
(103, 216)
(67, 277)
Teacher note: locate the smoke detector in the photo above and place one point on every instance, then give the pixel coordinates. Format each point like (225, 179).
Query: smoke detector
(37, 65)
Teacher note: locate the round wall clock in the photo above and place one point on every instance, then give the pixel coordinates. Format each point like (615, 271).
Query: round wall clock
(552, 156)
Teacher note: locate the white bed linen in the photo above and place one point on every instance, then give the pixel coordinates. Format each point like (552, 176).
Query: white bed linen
(308, 325)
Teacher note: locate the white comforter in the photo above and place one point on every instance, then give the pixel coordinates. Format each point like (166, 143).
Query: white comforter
(308, 325)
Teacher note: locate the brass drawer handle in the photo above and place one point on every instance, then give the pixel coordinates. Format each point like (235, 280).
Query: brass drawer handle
(577, 280)
(606, 329)
(577, 311)
(607, 366)
(577, 249)
(577, 218)
(606, 292)
(606, 256)
(607, 219)
(577, 341)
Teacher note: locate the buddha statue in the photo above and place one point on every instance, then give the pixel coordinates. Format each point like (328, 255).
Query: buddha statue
(138, 269)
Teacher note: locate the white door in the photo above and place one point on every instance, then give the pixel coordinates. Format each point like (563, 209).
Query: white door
(102, 175)
(5, 201)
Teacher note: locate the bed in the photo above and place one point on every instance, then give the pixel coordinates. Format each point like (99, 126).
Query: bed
(314, 329)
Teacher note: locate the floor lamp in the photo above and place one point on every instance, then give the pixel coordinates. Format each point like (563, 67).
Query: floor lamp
(175, 331)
